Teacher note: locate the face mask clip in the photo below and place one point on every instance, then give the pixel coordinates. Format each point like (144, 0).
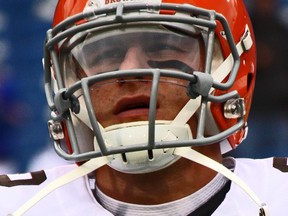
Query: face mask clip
(63, 104)
(202, 87)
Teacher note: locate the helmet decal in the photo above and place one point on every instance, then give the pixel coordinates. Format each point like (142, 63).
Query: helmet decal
(97, 4)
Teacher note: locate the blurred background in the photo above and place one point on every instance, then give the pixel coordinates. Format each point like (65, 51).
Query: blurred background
(23, 110)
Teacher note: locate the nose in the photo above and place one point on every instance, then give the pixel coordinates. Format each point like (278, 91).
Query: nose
(134, 58)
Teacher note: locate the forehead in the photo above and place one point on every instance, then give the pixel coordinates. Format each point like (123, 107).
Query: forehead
(105, 31)
(126, 37)
(126, 34)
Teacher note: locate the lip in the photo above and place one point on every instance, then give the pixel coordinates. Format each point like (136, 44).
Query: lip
(132, 106)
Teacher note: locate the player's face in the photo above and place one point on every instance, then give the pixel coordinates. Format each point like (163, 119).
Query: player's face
(127, 99)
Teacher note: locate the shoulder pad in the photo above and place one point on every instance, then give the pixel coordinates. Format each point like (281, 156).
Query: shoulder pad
(32, 178)
(280, 163)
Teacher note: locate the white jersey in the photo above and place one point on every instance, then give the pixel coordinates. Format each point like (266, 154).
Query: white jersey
(267, 178)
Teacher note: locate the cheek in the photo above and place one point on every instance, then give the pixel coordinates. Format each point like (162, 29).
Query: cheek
(172, 98)
(102, 100)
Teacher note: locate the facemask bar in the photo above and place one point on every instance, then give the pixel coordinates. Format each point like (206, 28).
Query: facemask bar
(63, 103)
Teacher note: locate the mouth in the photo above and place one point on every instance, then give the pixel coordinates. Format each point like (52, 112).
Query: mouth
(133, 107)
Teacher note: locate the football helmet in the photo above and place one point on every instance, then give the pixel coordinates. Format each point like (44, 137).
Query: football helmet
(133, 80)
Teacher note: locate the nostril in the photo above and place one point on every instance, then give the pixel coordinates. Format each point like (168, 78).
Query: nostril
(139, 77)
(142, 79)
(121, 82)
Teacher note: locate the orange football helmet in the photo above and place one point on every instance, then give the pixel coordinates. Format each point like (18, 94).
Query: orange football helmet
(79, 56)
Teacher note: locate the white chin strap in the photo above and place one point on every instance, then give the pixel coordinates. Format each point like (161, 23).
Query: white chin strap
(78, 172)
(199, 158)
(95, 163)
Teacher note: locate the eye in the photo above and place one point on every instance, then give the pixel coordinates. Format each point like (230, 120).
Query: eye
(108, 56)
(107, 59)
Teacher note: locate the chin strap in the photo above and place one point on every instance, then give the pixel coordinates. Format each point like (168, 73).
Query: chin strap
(76, 173)
(199, 158)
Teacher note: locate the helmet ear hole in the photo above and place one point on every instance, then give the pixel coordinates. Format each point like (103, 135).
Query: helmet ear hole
(250, 78)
